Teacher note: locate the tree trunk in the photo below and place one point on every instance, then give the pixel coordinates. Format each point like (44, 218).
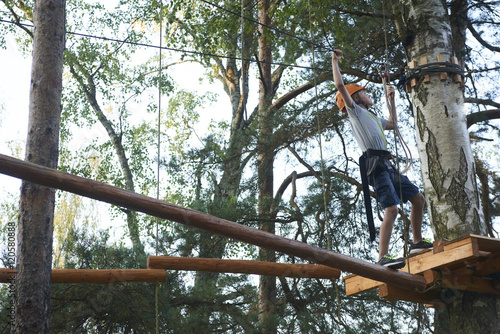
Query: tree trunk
(36, 212)
(267, 285)
(447, 162)
(87, 83)
(235, 84)
(443, 141)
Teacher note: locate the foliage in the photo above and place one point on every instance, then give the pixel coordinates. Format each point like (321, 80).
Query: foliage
(212, 167)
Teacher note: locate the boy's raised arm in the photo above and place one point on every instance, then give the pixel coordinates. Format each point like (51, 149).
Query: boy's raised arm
(393, 116)
(337, 78)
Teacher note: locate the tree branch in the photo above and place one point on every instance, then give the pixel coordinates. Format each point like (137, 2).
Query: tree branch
(299, 90)
(482, 116)
(487, 102)
(478, 37)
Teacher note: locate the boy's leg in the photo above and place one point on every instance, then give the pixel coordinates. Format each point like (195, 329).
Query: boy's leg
(386, 230)
(388, 198)
(417, 211)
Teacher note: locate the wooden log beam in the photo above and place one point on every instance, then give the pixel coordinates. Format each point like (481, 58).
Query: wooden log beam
(7, 275)
(96, 276)
(298, 270)
(130, 200)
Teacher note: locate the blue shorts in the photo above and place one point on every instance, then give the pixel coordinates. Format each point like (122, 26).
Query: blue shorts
(388, 191)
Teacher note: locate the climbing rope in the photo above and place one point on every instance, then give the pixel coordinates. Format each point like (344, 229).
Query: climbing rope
(159, 155)
(397, 136)
(243, 66)
(436, 284)
(322, 164)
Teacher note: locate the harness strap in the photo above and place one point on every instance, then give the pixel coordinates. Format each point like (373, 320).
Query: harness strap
(366, 196)
(365, 173)
(377, 153)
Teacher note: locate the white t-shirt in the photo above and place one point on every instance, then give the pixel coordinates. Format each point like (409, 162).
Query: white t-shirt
(368, 129)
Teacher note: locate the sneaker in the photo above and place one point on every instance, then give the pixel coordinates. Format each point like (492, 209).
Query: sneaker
(420, 246)
(390, 261)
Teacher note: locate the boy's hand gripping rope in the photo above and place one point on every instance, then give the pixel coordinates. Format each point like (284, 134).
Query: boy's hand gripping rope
(391, 108)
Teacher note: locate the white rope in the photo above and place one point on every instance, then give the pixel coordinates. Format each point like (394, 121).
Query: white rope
(406, 149)
(158, 162)
(397, 135)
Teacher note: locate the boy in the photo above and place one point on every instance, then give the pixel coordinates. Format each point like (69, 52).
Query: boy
(368, 131)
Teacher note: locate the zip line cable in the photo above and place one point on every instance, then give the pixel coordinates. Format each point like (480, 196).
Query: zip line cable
(415, 72)
(169, 48)
(327, 49)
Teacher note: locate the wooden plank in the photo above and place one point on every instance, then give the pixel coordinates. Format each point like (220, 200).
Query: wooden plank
(356, 284)
(483, 267)
(462, 282)
(481, 255)
(487, 244)
(393, 293)
(423, 61)
(413, 82)
(448, 257)
(453, 253)
(438, 245)
(98, 276)
(151, 206)
(457, 77)
(298, 270)
(442, 75)
(443, 244)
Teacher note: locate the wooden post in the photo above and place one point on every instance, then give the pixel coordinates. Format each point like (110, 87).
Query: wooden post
(423, 61)
(413, 82)
(243, 267)
(443, 75)
(130, 200)
(96, 276)
(457, 77)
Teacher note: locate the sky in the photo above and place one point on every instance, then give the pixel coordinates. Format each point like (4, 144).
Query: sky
(15, 71)
(14, 99)
(14, 112)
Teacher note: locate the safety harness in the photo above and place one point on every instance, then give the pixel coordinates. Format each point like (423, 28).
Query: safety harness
(371, 163)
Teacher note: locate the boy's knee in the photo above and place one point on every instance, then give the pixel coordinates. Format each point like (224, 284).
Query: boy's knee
(418, 200)
(392, 210)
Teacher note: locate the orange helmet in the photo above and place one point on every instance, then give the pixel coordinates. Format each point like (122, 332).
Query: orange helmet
(351, 88)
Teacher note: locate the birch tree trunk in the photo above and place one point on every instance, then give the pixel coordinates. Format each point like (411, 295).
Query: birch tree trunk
(447, 162)
(443, 140)
(36, 212)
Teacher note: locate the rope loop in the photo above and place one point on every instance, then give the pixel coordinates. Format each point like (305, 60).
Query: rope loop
(436, 284)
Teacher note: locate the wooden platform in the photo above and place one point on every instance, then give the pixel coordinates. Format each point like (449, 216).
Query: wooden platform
(471, 263)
